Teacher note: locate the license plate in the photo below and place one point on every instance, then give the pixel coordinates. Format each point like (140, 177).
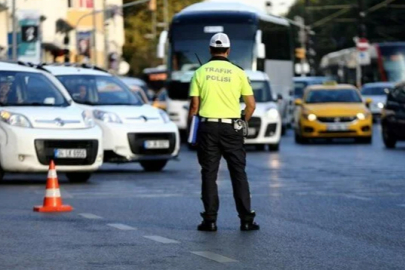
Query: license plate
(70, 153)
(157, 144)
(252, 131)
(337, 127)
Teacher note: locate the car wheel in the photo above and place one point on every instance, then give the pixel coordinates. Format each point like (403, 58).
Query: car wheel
(259, 147)
(81, 177)
(192, 147)
(274, 147)
(365, 140)
(1, 174)
(388, 140)
(153, 165)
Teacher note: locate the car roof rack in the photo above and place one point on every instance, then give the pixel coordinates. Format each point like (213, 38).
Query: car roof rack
(77, 65)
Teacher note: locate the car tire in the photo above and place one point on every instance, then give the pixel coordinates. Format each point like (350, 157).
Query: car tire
(388, 140)
(274, 147)
(259, 147)
(81, 177)
(192, 147)
(153, 165)
(283, 130)
(1, 174)
(365, 140)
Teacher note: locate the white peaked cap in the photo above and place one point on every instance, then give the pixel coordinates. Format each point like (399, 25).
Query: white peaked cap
(220, 40)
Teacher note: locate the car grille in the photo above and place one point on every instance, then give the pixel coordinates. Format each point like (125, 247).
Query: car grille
(254, 122)
(337, 119)
(45, 151)
(338, 132)
(137, 140)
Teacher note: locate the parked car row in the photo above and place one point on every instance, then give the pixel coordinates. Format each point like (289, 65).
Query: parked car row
(80, 117)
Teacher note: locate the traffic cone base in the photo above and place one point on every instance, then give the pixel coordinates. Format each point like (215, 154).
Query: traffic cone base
(61, 208)
(53, 199)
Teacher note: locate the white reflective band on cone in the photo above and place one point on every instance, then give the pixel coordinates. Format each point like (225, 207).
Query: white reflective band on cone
(52, 174)
(52, 193)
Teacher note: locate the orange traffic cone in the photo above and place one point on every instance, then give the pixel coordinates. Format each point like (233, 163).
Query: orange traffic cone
(52, 200)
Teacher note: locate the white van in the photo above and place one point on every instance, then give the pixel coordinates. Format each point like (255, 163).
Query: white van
(39, 123)
(266, 123)
(132, 131)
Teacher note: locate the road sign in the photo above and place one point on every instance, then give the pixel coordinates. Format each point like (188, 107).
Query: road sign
(362, 44)
(363, 55)
(364, 58)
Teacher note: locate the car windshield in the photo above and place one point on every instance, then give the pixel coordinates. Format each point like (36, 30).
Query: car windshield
(29, 89)
(374, 91)
(333, 96)
(98, 90)
(299, 89)
(261, 91)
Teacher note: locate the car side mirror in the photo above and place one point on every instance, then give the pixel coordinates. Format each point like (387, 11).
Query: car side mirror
(368, 102)
(298, 102)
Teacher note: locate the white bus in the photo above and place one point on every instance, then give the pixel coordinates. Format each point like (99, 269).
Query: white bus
(258, 42)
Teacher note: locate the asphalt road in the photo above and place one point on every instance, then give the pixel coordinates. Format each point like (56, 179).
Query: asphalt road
(321, 206)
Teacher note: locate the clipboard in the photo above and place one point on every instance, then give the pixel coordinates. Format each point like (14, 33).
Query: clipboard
(192, 136)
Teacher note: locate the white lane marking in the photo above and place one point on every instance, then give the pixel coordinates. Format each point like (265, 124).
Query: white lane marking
(121, 226)
(161, 239)
(401, 205)
(66, 194)
(357, 197)
(213, 256)
(90, 216)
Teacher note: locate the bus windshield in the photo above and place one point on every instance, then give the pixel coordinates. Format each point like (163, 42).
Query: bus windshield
(393, 57)
(191, 39)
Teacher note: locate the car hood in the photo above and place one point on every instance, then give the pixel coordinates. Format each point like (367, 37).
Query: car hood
(133, 114)
(336, 109)
(262, 107)
(51, 117)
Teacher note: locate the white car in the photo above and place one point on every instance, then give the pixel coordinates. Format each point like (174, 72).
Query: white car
(266, 124)
(39, 122)
(377, 92)
(132, 131)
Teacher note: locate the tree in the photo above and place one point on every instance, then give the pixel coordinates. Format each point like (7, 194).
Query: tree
(383, 24)
(139, 50)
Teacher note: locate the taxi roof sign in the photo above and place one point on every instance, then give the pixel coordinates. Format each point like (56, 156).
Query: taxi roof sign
(330, 83)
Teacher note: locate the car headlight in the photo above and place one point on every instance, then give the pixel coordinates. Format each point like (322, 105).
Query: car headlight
(15, 119)
(107, 117)
(165, 117)
(272, 114)
(88, 119)
(310, 116)
(380, 105)
(362, 116)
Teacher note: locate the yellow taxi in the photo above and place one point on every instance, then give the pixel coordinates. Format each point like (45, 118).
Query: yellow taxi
(332, 111)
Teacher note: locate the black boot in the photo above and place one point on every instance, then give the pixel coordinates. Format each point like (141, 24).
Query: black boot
(207, 226)
(249, 226)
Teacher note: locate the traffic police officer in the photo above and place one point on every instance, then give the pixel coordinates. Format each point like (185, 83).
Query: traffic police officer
(215, 93)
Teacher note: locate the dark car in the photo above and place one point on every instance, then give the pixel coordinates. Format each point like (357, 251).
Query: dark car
(393, 116)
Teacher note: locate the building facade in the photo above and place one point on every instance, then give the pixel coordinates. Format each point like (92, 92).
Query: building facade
(64, 30)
